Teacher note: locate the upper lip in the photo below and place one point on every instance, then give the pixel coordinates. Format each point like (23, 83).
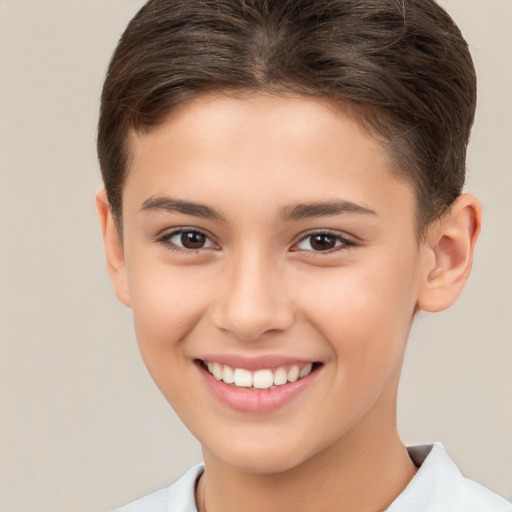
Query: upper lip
(254, 363)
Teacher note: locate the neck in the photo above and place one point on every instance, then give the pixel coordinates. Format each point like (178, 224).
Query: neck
(362, 472)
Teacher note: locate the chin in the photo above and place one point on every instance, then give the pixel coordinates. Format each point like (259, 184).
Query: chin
(263, 463)
(260, 458)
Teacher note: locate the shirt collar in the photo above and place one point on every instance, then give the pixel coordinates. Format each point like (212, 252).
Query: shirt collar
(438, 486)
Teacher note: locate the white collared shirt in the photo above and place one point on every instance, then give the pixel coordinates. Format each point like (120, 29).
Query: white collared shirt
(438, 486)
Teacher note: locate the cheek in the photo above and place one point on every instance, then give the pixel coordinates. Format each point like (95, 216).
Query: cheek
(365, 319)
(365, 313)
(166, 305)
(166, 308)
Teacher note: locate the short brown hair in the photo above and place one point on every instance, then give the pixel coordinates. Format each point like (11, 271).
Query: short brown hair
(402, 67)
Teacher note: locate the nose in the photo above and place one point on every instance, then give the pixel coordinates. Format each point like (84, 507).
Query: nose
(253, 300)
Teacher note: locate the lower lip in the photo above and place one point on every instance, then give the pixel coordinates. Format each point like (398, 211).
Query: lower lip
(255, 400)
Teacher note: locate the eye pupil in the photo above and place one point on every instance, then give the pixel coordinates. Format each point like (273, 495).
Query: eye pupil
(192, 239)
(323, 242)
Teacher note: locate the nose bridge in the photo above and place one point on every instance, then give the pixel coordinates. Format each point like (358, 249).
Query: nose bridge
(253, 300)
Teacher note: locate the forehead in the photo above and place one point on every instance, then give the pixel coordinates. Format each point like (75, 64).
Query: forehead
(278, 149)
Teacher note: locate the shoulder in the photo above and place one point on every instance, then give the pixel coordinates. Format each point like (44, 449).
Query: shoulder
(177, 497)
(440, 487)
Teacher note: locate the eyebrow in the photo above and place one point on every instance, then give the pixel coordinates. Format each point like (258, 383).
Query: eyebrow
(324, 208)
(172, 205)
(295, 212)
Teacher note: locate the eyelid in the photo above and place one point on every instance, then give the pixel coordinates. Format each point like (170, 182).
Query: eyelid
(165, 236)
(347, 241)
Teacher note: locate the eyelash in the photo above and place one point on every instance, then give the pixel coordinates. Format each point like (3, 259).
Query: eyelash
(344, 243)
(166, 240)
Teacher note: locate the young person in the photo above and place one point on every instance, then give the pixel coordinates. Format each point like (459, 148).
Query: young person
(283, 193)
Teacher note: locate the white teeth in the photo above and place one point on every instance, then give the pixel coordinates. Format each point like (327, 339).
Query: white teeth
(228, 375)
(243, 378)
(260, 379)
(293, 374)
(306, 370)
(217, 371)
(280, 377)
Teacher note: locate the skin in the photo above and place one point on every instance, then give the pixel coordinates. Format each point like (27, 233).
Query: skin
(259, 287)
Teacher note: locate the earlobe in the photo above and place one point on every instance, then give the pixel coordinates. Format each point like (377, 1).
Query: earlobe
(113, 248)
(450, 254)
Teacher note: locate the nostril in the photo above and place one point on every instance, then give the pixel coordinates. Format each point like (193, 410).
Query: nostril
(251, 324)
(252, 301)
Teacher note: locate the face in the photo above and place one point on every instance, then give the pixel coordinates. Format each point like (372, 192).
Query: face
(273, 271)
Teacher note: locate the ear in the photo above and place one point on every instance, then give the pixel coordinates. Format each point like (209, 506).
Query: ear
(450, 248)
(113, 248)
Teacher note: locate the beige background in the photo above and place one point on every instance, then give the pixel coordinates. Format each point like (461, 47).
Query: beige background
(82, 427)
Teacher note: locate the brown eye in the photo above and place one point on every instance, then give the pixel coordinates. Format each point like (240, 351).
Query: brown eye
(187, 240)
(322, 242)
(192, 240)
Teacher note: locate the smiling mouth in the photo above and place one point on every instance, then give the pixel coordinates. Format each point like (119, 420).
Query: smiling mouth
(259, 379)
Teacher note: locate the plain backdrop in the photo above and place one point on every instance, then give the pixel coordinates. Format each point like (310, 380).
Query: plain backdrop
(82, 427)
